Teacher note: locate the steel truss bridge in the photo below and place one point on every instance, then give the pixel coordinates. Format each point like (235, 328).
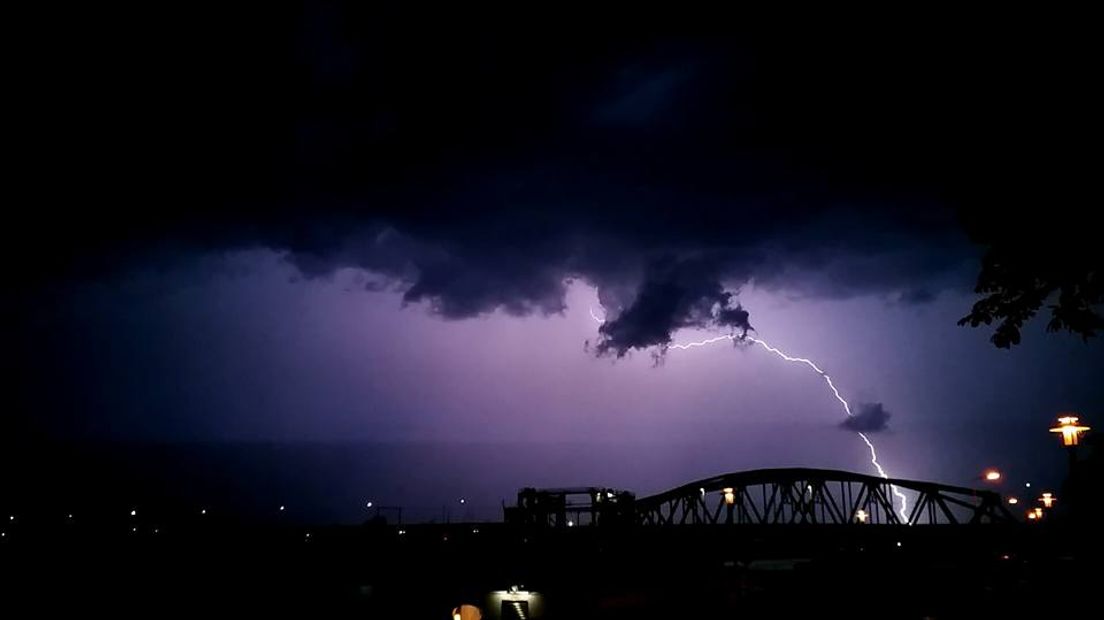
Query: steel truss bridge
(793, 496)
(817, 496)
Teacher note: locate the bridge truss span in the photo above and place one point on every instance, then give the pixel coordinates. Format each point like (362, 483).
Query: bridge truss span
(816, 497)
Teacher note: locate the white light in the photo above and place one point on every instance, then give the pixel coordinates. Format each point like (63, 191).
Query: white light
(203, 511)
(898, 543)
(570, 524)
(11, 517)
(475, 530)
(1027, 484)
(134, 529)
(133, 513)
(155, 530)
(3, 534)
(463, 501)
(70, 516)
(308, 534)
(369, 504)
(701, 490)
(402, 532)
(281, 508)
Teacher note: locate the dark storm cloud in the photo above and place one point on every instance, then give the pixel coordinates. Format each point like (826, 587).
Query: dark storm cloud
(870, 418)
(674, 295)
(477, 173)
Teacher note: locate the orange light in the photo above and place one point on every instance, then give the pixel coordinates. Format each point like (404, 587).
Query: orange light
(729, 495)
(1048, 499)
(1031, 515)
(1013, 501)
(1069, 428)
(861, 515)
(1038, 512)
(992, 475)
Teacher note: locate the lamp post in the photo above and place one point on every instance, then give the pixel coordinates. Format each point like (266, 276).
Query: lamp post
(1071, 430)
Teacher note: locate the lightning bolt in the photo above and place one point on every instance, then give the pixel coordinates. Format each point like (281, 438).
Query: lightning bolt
(903, 510)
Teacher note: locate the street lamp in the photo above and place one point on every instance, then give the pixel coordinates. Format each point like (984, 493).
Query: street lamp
(1069, 428)
(1071, 432)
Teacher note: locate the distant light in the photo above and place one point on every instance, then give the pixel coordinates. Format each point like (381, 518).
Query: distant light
(570, 523)
(992, 475)
(203, 511)
(1038, 513)
(3, 534)
(1048, 499)
(155, 530)
(308, 534)
(702, 490)
(11, 517)
(402, 532)
(1027, 484)
(861, 515)
(455, 615)
(1069, 428)
(475, 530)
(1031, 515)
(1013, 501)
(281, 508)
(368, 505)
(609, 495)
(463, 501)
(134, 513)
(729, 495)
(898, 543)
(1006, 557)
(70, 516)
(134, 529)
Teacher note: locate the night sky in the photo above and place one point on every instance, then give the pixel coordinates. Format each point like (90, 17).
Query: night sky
(325, 254)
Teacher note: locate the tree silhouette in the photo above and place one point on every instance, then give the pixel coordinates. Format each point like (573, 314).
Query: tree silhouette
(1035, 257)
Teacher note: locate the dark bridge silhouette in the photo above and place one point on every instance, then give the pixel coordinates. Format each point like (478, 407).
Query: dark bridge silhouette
(793, 496)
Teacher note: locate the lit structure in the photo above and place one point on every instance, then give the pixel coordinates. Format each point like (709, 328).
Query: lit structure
(1070, 429)
(515, 602)
(729, 495)
(861, 516)
(1048, 500)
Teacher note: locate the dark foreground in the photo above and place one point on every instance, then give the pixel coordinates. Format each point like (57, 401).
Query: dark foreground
(681, 572)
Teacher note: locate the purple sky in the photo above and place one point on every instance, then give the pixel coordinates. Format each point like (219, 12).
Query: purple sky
(241, 348)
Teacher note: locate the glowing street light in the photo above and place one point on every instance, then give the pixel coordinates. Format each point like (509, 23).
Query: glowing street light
(1048, 500)
(1031, 515)
(861, 516)
(992, 475)
(1038, 512)
(729, 495)
(1013, 501)
(1070, 429)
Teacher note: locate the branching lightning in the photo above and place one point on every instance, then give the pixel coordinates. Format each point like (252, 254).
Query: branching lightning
(903, 510)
